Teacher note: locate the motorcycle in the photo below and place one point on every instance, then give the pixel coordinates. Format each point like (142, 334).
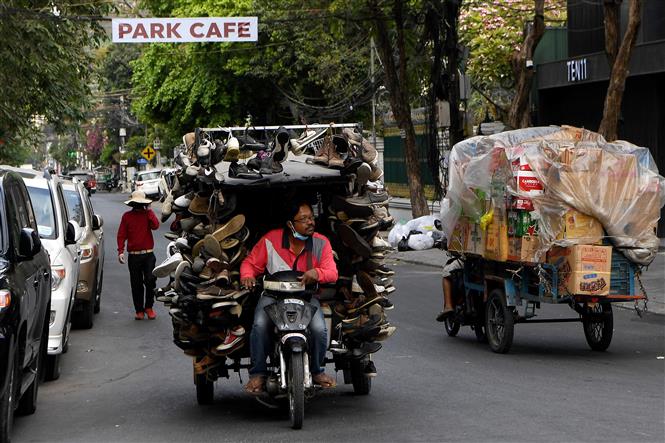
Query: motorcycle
(112, 184)
(469, 306)
(291, 314)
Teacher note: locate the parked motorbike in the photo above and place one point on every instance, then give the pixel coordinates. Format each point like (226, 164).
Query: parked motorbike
(112, 184)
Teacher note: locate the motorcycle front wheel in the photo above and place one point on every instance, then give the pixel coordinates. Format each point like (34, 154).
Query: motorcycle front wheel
(296, 377)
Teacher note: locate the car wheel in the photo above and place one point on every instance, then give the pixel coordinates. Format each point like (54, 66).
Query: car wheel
(98, 293)
(52, 367)
(84, 318)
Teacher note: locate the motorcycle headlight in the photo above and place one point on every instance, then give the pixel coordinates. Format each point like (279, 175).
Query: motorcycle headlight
(87, 252)
(5, 299)
(57, 275)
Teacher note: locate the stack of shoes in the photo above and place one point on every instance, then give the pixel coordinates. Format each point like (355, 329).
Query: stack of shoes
(209, 239)
(208, 244)
(356, 223)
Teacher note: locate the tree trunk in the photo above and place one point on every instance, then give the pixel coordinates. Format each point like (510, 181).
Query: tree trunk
(611, 10)
(451, 16)
(397, 85)
(619, 73)
(519, 113)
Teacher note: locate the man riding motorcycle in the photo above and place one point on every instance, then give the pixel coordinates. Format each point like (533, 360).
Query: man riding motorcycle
(295, 247)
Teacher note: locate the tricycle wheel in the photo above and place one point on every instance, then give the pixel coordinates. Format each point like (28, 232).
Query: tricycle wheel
(598, 322)
(205, 389)
(362, 383)
(296, 377)
(499, 322)
(452, 326)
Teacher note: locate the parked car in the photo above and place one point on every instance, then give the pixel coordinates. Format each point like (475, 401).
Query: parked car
(59, 235)
(166, 181)
(89, 288)
(148, 182)
(25, 299)
(88, 179)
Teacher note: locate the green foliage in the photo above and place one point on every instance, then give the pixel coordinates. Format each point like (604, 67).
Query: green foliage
(493, 31)
(63, 150)
(106, 157)
(46, 58)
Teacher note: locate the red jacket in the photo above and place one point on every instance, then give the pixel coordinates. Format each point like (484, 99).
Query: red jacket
(135, 228)
(272, 254)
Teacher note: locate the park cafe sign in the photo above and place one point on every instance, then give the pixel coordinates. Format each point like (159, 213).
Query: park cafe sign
(185, 30)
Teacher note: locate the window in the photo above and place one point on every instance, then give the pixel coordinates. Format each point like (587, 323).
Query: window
(44, 211)
(148, 176)
(75, 206)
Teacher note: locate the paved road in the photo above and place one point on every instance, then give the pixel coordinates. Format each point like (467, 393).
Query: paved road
(125, 381)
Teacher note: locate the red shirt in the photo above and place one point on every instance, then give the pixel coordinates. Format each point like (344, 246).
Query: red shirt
(272, 253)
(135, 228)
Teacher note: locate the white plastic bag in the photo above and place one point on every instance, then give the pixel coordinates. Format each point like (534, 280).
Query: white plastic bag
(420, 242)
(396, 233)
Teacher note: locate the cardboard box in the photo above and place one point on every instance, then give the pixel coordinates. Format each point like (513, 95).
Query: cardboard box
(582, 269)
(460, 237)
(589, 283)
(524, 249)
(476, 241)
(581, 227)
(496, 238)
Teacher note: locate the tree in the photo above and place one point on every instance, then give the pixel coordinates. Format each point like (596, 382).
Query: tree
(492, 32)
(618, 60)
(397, 81)
(45, 63)
(519, 113)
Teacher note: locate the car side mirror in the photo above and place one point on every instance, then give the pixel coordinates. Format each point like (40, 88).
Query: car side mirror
(97, 222)
(73, 232)
(29, 244)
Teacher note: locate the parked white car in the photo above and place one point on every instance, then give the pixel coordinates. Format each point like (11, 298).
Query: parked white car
(59, 235)
(148, 182)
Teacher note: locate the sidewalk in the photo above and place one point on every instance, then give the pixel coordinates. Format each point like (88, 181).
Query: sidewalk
(653, 278)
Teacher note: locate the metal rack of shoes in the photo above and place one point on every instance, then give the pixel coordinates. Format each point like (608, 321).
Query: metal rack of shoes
(228, 189)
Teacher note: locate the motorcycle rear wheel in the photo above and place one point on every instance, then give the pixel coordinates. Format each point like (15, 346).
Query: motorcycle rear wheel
(296, 377)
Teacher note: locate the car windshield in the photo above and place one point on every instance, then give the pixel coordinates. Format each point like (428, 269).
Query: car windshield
(42, 204)
(148, 176)
(75, 206)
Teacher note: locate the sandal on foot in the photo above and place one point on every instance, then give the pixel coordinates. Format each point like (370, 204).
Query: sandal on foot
(443, 315)
(255, 385)
(324, 380)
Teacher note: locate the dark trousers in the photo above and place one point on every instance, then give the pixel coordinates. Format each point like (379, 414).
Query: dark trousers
(142, 280)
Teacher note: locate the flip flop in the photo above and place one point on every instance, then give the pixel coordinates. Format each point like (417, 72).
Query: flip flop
(258, 389)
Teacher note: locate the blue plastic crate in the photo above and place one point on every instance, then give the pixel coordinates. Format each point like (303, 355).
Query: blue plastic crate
(622, 279)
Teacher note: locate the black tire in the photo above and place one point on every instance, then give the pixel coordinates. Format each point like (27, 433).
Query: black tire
(205, 389)
(296, 377)
(499, 322)
(98, 293)
(479, 329)
(8, 402)
(84, 318)
(452, 326)
(362, 383)
(598, 323)
(52, 367)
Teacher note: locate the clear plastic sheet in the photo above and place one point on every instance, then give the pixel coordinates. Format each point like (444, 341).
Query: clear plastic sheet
(617, 183)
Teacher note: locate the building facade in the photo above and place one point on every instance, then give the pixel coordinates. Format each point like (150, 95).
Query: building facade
(572, 75)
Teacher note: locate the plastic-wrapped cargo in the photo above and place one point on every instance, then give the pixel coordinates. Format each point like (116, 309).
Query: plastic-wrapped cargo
(554, 171)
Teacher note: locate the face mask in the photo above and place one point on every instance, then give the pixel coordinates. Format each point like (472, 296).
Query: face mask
(297, 234)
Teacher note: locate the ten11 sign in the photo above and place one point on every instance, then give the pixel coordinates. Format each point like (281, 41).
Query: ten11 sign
(185, 30)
